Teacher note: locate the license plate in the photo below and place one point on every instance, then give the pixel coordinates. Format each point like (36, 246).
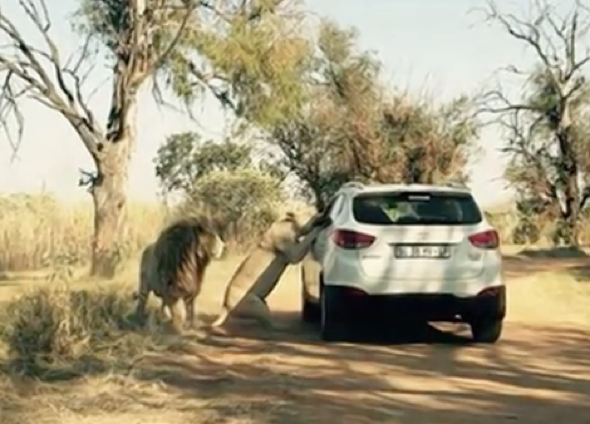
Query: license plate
(428, 251)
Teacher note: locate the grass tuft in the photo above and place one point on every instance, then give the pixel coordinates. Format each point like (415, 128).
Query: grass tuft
(60, 332)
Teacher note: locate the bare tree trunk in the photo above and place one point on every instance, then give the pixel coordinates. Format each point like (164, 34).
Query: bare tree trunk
(571, 211)
(109, 196)
(109, 192)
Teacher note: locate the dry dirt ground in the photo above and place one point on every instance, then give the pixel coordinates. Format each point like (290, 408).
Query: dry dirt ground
(538, 373)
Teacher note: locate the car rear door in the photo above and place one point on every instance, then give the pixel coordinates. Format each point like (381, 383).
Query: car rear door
(311, 266)
(318, 249)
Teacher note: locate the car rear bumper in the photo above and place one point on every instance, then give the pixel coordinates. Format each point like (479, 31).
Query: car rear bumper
(350, 303)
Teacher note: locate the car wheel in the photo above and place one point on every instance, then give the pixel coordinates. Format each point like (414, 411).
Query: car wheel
(331, 329)
(310, 312)
(487, 331)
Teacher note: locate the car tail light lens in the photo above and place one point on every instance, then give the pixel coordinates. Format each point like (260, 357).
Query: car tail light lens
(485, 240)
(347, 239)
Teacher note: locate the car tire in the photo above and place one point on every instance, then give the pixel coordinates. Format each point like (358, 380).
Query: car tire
(487, 331)
(331, 329)
(310, 312)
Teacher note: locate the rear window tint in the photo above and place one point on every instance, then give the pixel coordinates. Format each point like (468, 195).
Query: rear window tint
(416, 208)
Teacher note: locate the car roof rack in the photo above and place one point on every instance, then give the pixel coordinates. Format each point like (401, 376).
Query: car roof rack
(456, 184)
(352, 184)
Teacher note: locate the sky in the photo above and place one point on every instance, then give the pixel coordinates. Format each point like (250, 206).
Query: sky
(428, 46)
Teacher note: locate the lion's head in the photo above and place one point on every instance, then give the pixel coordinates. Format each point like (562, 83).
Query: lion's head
(210, 245)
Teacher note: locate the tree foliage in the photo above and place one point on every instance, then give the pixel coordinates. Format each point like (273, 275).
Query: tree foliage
(185, 158)
(547, 128)
(223, 180)
(245, 202)
(342, 123)
(250, 57)
(243, 52)
(354, 128)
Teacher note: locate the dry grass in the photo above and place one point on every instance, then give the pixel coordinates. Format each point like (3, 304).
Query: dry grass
(38, 232)
(90, 361)
(93, 337)
(551, 298)
(80, 344)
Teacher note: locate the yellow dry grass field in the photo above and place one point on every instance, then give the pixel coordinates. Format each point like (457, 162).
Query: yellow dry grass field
(539, 370)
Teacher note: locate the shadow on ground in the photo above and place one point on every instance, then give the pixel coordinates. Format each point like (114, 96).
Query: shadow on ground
(529, 262)
(291, 377)
(565, 252)
(417, 375)
(581, 273)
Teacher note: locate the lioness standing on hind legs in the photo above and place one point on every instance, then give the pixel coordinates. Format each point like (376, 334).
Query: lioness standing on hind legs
(260, 272)
(173, 268)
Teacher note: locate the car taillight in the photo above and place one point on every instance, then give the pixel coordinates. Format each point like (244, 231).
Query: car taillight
(485, 240)
(347, 239)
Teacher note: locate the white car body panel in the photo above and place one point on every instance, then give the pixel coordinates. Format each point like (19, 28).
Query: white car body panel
(377, 271)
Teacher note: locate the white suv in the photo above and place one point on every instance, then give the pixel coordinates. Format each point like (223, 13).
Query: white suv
(406, 252)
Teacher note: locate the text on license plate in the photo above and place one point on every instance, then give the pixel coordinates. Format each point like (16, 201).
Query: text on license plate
(413, 251)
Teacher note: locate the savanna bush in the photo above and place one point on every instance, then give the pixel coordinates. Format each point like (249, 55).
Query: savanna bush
(243, 202)
(518, 229)
(57, 329)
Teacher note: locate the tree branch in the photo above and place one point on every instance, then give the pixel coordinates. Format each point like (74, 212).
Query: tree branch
(562, 64)
(497, 103)
(25, 64)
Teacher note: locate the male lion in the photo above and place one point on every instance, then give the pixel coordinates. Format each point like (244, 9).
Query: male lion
(258, 274)
(148, 283)
(173, 268)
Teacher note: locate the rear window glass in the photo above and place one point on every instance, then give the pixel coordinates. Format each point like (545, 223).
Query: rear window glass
(416, 208)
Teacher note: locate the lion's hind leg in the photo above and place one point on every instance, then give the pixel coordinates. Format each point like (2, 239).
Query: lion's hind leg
(141, 297)
(257, 308)
(191, 319)
(221, 318)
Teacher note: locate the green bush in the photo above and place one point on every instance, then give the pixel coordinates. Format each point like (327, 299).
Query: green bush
(244, 202)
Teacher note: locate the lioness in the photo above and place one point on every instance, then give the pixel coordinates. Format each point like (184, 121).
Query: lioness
(174, 266)
(258, 274)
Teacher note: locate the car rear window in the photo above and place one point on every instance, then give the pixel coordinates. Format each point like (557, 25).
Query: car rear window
(416, 208)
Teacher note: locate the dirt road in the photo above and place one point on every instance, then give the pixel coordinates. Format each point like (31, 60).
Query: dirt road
(539, 373)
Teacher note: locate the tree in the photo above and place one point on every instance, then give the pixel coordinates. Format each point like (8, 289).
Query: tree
(545, 129)
(188, 46)
(228, 181)
(354, 128)
(244, 202)
(251, 60)
(185, 158)
(132, 32)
